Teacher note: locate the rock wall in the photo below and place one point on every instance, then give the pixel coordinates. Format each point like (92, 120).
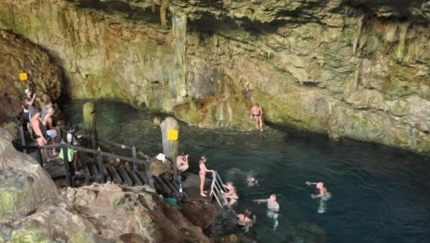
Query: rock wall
(355, 69)
(18, 55)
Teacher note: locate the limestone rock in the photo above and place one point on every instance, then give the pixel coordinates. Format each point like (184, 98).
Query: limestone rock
(24, 183)
(21, 55)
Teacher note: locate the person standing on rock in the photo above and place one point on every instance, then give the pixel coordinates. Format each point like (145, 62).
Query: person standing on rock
(47, 118)
(38, 129)
(28, 109)
(257, 115)
(202, 175)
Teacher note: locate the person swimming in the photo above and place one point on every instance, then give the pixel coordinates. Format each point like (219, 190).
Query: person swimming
(272, 209)
(323, 194)
(251, 181)
(245, 220)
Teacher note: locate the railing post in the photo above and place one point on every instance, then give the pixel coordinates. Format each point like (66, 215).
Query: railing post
(69, 180)
(148, 174)
(39, 156)
(101, 168)
(93, 144)
(21, 132)
(134, 154)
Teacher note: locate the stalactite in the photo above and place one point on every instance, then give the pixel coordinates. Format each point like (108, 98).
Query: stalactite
(357, 37)
(153, 6)
(403, 30)
(163, 12)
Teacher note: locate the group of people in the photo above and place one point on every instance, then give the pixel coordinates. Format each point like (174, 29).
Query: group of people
(40, 121)
(247, 220)
(41, 126)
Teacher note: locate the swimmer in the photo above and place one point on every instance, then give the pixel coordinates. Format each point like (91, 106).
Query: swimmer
(245, 221)
(323, 194)
(251, 181)
(272, 209)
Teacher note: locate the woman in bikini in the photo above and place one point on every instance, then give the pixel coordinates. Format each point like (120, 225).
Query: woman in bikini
(202, 174)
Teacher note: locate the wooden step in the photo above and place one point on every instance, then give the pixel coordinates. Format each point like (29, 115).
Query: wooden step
(164, 188)
(125, 177)
(135, 178)
(116, 178)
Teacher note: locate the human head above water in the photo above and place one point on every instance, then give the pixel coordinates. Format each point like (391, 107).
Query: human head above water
(272, 197)
(320, 185)
(203, 158)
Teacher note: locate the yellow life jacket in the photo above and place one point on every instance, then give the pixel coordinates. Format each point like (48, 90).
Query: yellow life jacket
(70, 153)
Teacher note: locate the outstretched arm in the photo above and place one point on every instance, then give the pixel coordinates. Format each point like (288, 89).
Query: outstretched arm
(310, 183)
(259, 200)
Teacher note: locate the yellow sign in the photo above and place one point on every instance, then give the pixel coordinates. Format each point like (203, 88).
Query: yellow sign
(23, 76)
(172, 134)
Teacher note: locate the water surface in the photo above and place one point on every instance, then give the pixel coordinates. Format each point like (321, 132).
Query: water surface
(380, 194)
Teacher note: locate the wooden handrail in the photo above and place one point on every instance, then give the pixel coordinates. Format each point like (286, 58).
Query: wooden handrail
(99, 154)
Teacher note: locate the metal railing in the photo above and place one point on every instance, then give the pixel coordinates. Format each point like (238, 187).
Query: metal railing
(217, 188)
(98, 155)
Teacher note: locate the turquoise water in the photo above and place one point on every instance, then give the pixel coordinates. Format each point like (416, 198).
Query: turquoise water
(380, 194)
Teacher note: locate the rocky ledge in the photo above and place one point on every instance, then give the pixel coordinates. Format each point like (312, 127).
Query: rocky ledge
(32, 210)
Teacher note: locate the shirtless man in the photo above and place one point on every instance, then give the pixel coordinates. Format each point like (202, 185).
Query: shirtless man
(47, 117)
(257, 115)
(182, 162)
(323, 195)
(38, 129)
(272, 209)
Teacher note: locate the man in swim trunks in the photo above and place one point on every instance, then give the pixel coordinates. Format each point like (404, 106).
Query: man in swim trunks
(47, 118)
(323, 194)
(257, 115)
(272, 209)
(38, 129)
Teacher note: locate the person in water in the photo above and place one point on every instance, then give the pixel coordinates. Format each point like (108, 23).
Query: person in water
(202, 175)
(323, 194)
(272, 209)
(230, 196)
(257, 115)
(251, 181)
(245, 220)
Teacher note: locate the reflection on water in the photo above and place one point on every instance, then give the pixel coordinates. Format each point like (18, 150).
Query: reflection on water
(380, 195)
